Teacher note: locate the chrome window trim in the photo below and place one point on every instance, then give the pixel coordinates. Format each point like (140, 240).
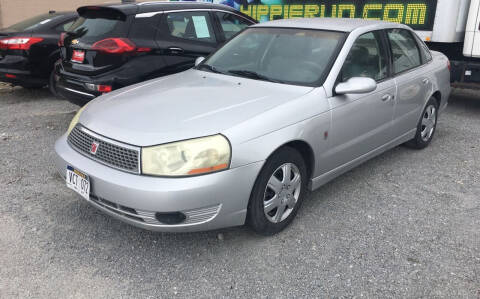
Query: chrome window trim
(151, 14)
(114, 142)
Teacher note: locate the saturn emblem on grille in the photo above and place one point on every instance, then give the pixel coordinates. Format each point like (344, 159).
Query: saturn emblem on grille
(94, 148)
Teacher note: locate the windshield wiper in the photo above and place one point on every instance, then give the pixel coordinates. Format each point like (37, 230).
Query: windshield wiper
(210, 68)
(253, 75)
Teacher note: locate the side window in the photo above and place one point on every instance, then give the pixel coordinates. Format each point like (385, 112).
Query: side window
(424, 50)
(404, 49)
(366, 59)
(231, 24)
(144, 28)
(64, 27)
(191, 25)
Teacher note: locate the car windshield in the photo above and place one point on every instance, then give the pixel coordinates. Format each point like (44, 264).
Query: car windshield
(30, 24)
(284, 55)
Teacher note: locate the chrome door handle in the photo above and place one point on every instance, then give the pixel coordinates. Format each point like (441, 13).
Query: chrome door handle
(387, 98)
(425, 81)
(175, 50)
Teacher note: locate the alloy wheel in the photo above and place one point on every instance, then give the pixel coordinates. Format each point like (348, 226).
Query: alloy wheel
(282, 192)
(429, 121)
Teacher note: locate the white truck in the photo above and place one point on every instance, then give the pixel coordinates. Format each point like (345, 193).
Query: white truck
(449, 26)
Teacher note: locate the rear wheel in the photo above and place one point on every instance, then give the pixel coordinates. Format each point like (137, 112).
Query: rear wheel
(426, 126)
(278, 192)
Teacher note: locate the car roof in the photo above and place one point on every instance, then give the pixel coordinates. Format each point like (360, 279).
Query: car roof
(331, 24)
(154, 6)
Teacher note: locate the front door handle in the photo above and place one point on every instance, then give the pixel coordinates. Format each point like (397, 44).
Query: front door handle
(387, 98)
(425, 81)
(175, 50)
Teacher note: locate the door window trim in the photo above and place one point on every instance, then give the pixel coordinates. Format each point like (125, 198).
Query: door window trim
(380, 36)
(394, 75)
(150, 14)
(220, 28)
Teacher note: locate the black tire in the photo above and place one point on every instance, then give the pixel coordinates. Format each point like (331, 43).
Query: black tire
(256, 216)
(419, 141)
(52, 84)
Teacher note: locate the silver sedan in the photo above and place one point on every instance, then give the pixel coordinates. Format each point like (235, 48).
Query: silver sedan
(284, 107)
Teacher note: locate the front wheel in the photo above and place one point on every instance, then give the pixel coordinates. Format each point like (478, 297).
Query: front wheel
(426, 126)
(278, 192)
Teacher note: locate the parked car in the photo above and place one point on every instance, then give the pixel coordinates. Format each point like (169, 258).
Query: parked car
(113, 46)
(282, 108)
(29, 49)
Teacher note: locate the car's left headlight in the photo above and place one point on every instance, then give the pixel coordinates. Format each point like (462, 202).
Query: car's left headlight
(186, 158)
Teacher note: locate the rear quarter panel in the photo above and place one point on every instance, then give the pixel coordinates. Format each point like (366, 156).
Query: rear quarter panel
(440, 75)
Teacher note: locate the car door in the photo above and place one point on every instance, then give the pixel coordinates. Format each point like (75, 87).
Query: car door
(411, 79)
(230, 24)
(186, 35)
(362, 122)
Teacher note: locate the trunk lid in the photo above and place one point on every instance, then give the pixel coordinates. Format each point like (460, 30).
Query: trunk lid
(96, 26)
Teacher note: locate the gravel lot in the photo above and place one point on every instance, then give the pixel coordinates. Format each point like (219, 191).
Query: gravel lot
(406, 224)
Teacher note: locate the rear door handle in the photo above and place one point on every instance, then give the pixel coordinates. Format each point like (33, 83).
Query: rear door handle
(425, 81)
(387, 98)
(175, 50)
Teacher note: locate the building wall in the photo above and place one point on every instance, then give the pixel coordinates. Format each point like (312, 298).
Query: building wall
(13, 11)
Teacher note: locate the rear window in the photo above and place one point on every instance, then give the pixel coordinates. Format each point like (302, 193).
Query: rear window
(94, 29)
(32, 23)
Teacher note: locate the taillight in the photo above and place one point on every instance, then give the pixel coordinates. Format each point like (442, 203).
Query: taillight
(118, 46)
(19, 43)
(114, 46)
(449, 65)
(99, 88)
(104, 88)
(61, 41)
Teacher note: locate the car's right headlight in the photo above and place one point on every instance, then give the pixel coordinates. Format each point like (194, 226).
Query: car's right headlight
(186, 158)
(75, 119)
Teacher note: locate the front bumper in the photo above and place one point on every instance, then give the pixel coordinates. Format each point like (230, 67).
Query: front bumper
(210, 201)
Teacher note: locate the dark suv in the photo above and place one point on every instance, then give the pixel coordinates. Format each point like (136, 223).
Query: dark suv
(29, 49)
(113, 46)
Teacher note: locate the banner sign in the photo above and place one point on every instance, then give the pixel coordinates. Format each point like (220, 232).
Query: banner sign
(418, 14)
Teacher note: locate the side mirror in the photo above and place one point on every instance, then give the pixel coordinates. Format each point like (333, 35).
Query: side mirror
(356, 85)
(199, 60)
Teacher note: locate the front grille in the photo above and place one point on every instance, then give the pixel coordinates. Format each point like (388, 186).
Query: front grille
(109, 152)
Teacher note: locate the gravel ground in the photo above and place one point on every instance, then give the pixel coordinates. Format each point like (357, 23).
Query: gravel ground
(405, 224)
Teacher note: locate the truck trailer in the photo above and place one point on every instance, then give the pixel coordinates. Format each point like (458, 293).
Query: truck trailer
(448, 26)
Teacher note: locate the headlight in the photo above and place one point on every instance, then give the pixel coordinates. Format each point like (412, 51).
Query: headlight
(74, 121)
(189, 157)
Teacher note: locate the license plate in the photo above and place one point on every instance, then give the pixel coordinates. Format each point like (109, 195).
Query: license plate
(78, 182)
(78, 56)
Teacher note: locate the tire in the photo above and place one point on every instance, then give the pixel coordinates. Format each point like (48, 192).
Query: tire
(426, 126)
(52, 84)
(285, 199)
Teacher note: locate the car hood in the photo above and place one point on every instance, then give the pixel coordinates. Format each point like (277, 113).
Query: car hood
(182, 106)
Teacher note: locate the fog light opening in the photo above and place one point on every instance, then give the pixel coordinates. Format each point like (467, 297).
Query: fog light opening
(171, 218)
